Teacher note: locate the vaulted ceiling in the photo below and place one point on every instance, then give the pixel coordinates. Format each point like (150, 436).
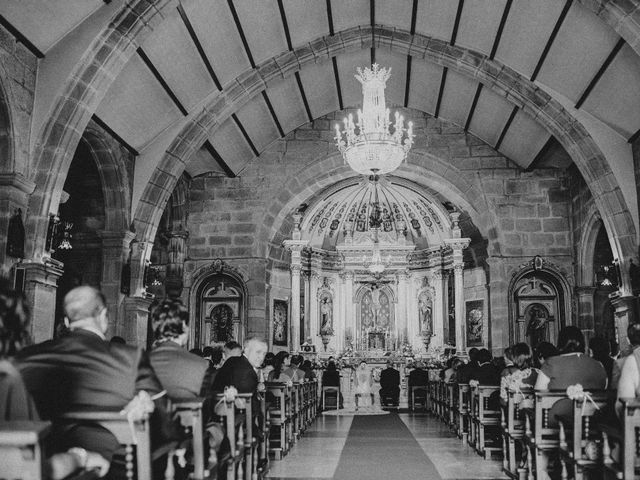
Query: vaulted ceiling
(203, 46)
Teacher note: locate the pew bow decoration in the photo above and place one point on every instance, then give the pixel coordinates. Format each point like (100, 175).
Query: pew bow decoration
(139, 408)
(576, 392)
(474, 383)
(514, 382)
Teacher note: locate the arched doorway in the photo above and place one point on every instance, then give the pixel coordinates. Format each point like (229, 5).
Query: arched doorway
(540, 303)
(220, 311)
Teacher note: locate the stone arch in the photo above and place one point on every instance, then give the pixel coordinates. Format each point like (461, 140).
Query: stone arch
(80, 97)
(621, 16)
(114, 177)
(500, 78)
(557, 277)
(587, 246)
(197, 281)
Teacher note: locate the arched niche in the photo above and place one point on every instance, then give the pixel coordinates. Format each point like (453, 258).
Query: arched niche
(218, 302)
(540, 303)
(375, 316)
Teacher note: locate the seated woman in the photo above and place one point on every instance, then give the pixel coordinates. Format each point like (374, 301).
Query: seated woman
(521, 373)
(180, 372)
(364, 382)
(570, 367)
(15, 401)
(277, 374)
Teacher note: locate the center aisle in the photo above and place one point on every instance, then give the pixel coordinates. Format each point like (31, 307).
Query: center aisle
(383, 447)
(408, 446)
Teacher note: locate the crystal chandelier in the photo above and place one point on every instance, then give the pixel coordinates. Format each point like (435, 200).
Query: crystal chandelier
(377, 147)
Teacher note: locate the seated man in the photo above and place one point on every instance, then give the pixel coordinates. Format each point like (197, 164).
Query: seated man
(83, 371)
(389, 385)
(181, 373)
(418, 377)
(294, 372)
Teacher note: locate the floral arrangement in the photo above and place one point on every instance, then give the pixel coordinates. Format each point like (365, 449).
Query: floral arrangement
(576, 392)
(514, 382)
(407, 350)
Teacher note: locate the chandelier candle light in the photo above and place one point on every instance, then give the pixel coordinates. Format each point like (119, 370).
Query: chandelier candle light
(379, 147)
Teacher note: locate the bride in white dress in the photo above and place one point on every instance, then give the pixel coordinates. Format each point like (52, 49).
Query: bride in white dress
(364, 382)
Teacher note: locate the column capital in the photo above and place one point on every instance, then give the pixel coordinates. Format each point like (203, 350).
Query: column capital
(585, 290)
(402, 275)
(111, 239)
(16, 181)
(458, 268)
(47, 271)
(295, 245)
(437, 274)
(177, 234)
(457, 243)
(295, 269)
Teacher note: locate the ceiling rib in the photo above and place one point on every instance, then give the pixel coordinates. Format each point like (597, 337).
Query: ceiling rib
(474, 103)
(330, 17)
(506, 127)
(267, 100)
(412, 30)
(552, 37)
(336, 74)
(219, 160)
(372, 21)
(285, 25)
(304, 96)
(618, 46)
(20, 37)
(236, 19)
(443, 79)
(161, 80)
(456, 24)
(196, 42)
(503, 21)
(454, 34)
(245, 134)
(117, 137)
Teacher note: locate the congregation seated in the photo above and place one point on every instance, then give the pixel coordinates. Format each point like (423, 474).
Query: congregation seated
(418, 377)
(601, 351)
(629, 383)
(180, 373)
(521, 373)
(451, 372)
(267, 365)
(307, 368)
(16, 403)
(232, 349)
(216, 361)
(277, 374)
(389, 385)
(484, 372)
(570, 367)
(465, 370)
(331, 378)
(294, 372)
(542, 352)
(81, 371)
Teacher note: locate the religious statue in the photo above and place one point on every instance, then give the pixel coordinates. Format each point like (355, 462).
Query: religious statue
(425, 313)
(537, 325)
(326, 312)
(15, 235)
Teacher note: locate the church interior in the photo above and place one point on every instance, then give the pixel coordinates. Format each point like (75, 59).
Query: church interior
(214, 152)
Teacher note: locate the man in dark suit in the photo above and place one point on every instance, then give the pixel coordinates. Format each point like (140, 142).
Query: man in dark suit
(389, 385)
(418, 377)
(83, 371)
(241, 372)
(464, 373)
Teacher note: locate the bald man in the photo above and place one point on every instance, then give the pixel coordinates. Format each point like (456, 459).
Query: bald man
(82, 370)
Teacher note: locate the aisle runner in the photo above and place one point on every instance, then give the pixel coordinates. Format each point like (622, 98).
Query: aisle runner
(383, 448)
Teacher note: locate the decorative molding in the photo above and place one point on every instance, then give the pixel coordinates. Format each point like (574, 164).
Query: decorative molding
(18, 181)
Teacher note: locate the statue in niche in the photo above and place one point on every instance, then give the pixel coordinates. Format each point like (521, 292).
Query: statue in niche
(326, 314)
(386, 220)
(221, 323)
(361, 224)
(425, 311)
(415, 223)
(15, 235)
(538, 316)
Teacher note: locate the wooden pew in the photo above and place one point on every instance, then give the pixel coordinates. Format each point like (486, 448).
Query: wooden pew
(21, 450)
(626, 440)
(452, 404)
(514, 431)
(486, 418)
(463, 411)
(189, 412)
(232, 461)
(279, 418)
(577, 442)
(541, 438)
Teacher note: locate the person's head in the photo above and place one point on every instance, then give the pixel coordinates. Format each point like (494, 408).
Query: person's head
(169, 319)
(545, 350)
(600, 347)
(296, 360)
(269, 359)
(85, 307)
(331, 366)
(255, 349)
(522, 357)
(14, 320)
(483, 356)
(633, 334)
(196, 351)
(418, 365)
(207, 352)
(362, 364)
(570, 340)
(282, 358)
(473, 353)
(456, 363)
(508, 355)
(389, 364)
(232, 349)
(118, 339)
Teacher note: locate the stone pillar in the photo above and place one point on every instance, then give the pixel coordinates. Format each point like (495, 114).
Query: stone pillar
(439, 315)
(136, 320)
(349, 310)
(626, 313)
(498, 308)
(41, 284)
(314, 321)
(585, 310)
(404, 299)
(115, 251)
(458, 272)
(306, 280)
(294, 345)
(175, 265)
(140, 254)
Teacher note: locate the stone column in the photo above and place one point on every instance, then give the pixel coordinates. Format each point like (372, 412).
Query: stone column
(140, 254)
(458, 245)
(41, 284)
(498, 310)
(438, 309)
(314, 323)
(626, 313)
(175, 266)
(585, 307)
(115, 251)
(349, 310)
(306, 280)
(295, 247)
(136, 320)
(404, 299)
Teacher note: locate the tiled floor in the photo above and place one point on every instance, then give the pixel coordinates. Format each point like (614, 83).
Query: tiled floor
(317, 453)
